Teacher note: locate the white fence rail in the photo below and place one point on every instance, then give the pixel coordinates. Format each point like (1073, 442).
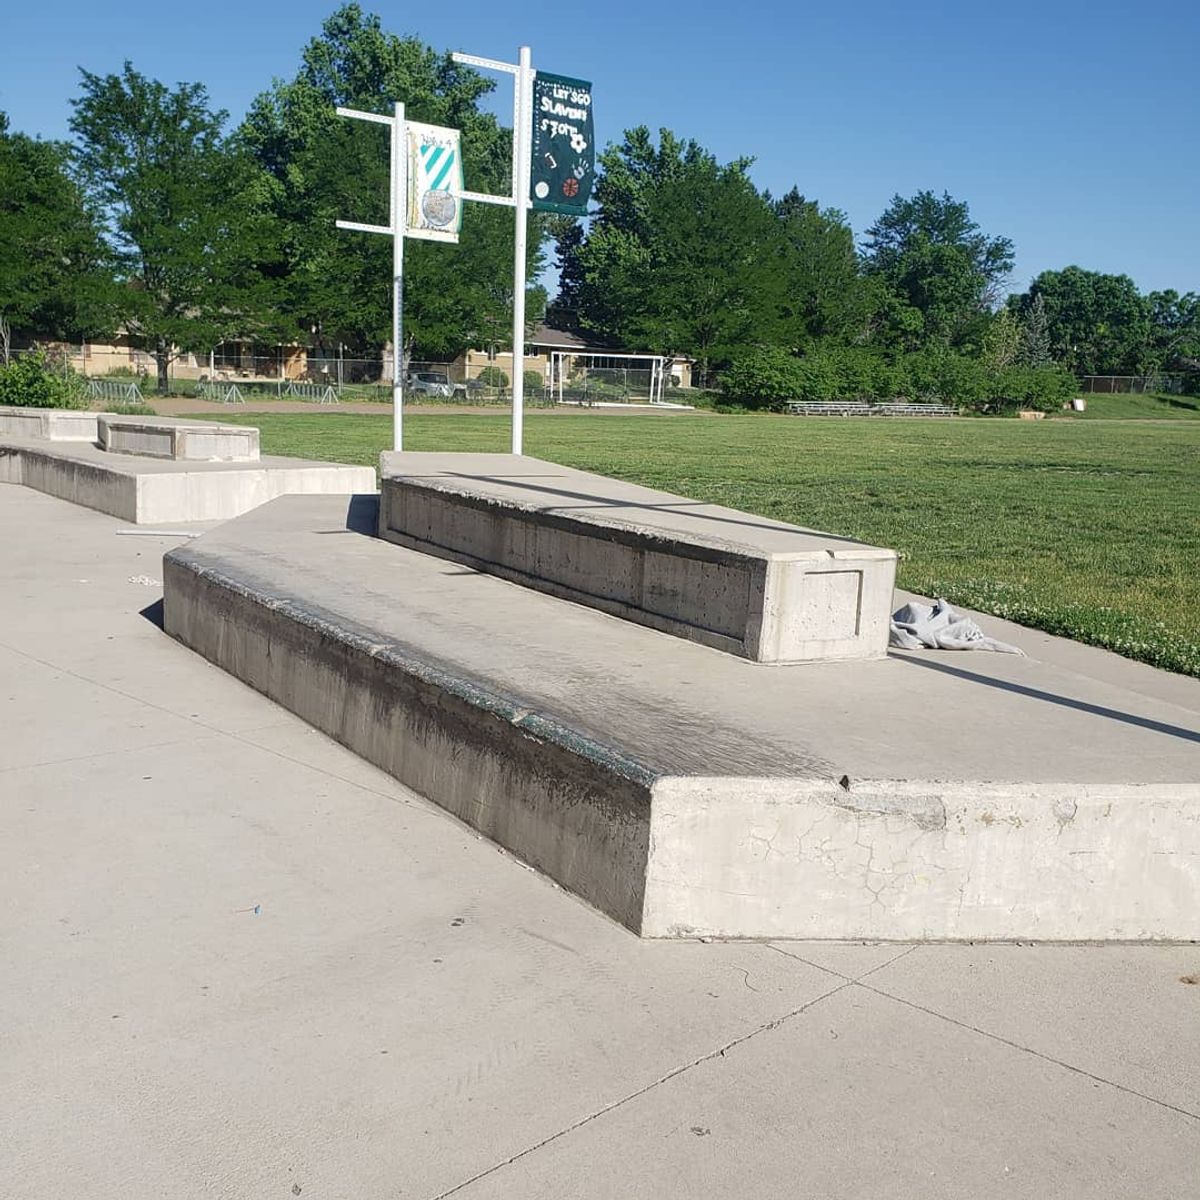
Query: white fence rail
(114, 389)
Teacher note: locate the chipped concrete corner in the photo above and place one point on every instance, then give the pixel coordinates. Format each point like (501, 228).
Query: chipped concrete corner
(921, 860)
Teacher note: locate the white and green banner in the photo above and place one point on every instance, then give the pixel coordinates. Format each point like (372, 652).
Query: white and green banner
(435, 179)
(563, 162)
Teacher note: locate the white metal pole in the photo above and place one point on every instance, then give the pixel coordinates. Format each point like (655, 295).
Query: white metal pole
(522, 137)
(399, 179)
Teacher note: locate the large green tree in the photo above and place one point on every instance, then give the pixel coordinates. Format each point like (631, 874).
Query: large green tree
(937, 263)
(684, 256)
(324, 167)
(1174, 330)
(52, 258)
(825, 294)
(1098, 324)
(184, 213)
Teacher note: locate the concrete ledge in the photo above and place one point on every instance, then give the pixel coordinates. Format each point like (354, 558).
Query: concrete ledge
(758, 588)
(49, 424)
(190, 442)
(686, 793)
(153, 491)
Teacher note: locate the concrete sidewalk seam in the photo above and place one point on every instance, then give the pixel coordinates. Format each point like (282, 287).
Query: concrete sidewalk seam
(838, 974)
(213, 729)
(720, 1052)
(78, 758)
(1058, 1062)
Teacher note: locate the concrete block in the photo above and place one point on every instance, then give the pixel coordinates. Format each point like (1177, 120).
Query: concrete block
(198, 441)
(166, 491)
(49, 424)
(690, 794)
(754, 587)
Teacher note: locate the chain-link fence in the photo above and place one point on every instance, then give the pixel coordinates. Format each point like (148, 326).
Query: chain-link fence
(1173, 384)
(235, 373)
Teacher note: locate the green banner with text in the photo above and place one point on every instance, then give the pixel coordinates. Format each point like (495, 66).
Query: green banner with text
(564, 160)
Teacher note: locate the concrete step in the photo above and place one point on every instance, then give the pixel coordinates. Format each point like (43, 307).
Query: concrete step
(762, 589)
(686, 792)
(148, 490)
(49, 424)
(185, 441)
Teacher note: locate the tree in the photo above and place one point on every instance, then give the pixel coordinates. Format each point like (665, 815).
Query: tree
(683, 257)
(183, 210)
(825, 293)
(1003, 342)
(1098, 324)
(1035, 335)
(324, 167)
(1174, 330)
(52, 258)
(938, 262)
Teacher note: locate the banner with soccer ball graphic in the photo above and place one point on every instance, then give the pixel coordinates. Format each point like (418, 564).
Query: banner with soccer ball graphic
(435, 179)
(563, 166)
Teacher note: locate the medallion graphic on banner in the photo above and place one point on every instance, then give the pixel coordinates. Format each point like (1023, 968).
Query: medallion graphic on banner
(435, 177)
(563, 166)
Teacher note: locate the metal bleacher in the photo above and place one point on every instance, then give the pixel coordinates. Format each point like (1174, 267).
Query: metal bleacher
(860, 408)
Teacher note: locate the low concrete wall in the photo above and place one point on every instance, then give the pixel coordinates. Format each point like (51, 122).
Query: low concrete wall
(49, 424)
(567, 806)
(750, 586)
(923, 860)
(87, 484)
(218, 495)
(160, 438)
(156, 493)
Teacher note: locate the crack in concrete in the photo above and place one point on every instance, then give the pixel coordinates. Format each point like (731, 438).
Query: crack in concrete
(720, 1052)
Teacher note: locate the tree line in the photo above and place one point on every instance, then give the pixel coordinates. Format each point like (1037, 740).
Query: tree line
(166, 222)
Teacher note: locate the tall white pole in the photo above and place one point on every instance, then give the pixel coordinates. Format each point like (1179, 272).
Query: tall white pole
(399, 205)
(522, 137)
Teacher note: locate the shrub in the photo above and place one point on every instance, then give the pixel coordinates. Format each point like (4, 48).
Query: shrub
(493, 377)
(765, 378)
(1045, 389)
(535, 383)
(33, 381)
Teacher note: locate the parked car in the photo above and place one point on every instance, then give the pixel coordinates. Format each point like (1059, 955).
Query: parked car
(433, 383)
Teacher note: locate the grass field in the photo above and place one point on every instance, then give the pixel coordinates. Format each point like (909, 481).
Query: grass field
(1090, 529)
(1141, 408)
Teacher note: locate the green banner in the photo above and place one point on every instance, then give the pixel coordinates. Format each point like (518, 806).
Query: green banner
(564, 152)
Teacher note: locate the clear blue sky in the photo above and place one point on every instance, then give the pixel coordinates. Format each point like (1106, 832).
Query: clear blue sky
(1072, 128)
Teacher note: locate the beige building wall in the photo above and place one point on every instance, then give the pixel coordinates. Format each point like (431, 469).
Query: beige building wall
(471, 364)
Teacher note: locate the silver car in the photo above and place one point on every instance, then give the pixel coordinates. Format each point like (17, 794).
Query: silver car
(429, 383)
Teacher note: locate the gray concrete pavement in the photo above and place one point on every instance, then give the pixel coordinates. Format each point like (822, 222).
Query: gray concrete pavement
(411, 1013)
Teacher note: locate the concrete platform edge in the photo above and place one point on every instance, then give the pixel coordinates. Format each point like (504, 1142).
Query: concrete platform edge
(674, 856)
(568, 806)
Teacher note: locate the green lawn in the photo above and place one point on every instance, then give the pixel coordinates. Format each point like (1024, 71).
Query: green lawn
(1135, 408)
(1090, 529)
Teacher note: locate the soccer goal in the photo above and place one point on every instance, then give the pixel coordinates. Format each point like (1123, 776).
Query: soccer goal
(598, 378)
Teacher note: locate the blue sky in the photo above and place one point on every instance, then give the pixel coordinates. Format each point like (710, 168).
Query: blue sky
(1072, 128)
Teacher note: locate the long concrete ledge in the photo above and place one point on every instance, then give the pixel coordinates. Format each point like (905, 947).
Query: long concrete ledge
(49, 424)
(155, 491)
(762, 589)
(161, 437)
(687, 793)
